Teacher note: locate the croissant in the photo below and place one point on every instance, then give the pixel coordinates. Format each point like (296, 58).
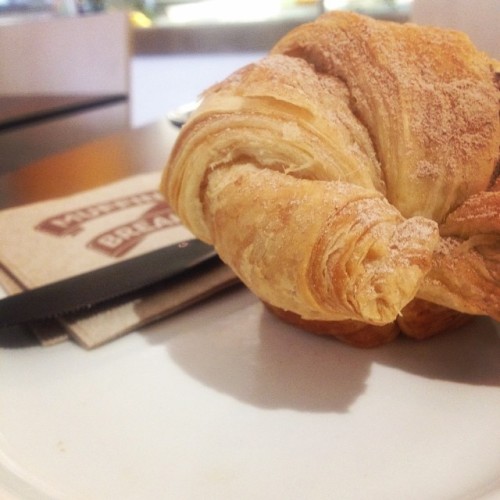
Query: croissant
(350, 178)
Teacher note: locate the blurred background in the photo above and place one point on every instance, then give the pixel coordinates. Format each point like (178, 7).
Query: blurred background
(127, 63)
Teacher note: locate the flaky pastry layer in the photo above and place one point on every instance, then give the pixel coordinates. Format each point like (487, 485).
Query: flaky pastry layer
(350, 178)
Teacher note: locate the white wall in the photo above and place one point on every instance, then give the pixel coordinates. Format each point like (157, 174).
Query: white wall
(480, 19)
(82, 54)
(161, 83)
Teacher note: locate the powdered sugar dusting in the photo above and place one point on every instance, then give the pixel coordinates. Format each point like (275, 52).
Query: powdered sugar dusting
(426, 96)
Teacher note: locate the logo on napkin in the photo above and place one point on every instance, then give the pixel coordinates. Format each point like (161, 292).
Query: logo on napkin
(119, 240)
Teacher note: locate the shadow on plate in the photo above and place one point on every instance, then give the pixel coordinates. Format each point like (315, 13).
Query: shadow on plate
(235, 346)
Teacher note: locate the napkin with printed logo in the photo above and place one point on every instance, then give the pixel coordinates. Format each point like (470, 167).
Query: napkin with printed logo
(51, 240)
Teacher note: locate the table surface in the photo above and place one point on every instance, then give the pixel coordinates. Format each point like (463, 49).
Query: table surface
(20, 110)
(95, 163)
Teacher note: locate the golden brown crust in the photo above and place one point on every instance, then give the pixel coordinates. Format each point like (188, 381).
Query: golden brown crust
(354, 333)
(465, 275)
(350, 176)
(280, 235)
(426, 96)
(421, 319)
(479, 214)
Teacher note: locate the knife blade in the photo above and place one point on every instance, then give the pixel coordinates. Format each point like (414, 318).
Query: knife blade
(103, 284)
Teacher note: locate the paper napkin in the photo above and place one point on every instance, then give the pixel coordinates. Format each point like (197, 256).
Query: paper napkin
(55, 239)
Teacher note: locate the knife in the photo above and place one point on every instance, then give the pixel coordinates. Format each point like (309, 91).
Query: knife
(103, 284)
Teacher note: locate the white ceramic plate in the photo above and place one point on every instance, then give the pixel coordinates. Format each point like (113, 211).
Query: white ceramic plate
(225, 402)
